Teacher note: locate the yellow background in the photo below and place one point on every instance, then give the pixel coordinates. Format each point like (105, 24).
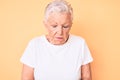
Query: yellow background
(98, 21)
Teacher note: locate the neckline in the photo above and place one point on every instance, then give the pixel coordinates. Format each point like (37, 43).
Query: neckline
(47, 42)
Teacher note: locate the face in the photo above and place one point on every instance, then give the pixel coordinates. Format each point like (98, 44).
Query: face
(58, 26)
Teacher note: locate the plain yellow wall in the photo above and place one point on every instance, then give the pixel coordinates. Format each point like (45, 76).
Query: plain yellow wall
(98, 21)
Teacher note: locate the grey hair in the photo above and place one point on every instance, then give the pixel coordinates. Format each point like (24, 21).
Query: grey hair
(59, 6)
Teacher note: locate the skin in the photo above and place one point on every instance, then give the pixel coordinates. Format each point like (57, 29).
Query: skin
(27, 73)
(58, 26)
(86, 72)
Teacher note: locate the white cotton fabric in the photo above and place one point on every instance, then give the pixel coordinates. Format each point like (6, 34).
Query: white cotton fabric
(57, 62)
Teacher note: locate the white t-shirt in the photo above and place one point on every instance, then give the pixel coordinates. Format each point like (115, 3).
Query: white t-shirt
(57, 62)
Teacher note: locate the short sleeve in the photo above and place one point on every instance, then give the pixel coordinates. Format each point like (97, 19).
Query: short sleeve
(28, 56)
(86, 55)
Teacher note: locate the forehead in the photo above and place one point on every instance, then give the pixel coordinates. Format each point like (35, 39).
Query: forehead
(59, 18)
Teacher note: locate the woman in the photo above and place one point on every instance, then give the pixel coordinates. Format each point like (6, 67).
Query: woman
(57, 55)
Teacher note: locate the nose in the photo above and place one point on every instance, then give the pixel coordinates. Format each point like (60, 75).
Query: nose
(60, 30)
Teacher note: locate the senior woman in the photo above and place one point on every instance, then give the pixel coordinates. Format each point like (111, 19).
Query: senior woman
(57, 55)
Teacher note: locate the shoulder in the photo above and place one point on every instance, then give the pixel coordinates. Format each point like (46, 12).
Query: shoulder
(36, 39)
(77, 39)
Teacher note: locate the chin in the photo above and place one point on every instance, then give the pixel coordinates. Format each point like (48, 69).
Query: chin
(59, 43)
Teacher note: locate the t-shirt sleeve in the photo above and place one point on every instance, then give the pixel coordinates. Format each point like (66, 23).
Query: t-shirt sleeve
(86, 56)
(28, 56)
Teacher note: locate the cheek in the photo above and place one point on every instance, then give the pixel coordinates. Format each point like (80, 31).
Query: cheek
(52, 31)
(66, 33)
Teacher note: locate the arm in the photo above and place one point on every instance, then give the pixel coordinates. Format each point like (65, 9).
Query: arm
(86, 72)
(27, 73)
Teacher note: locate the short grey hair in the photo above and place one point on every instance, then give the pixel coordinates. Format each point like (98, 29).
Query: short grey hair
(59, 6)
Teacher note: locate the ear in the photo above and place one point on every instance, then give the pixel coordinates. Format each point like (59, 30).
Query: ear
(45, 23)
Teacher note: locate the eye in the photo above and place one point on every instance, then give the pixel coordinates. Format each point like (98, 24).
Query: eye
(54, 26)
(65, 26)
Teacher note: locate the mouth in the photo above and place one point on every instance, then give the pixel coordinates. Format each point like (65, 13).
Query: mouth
(59, 38)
